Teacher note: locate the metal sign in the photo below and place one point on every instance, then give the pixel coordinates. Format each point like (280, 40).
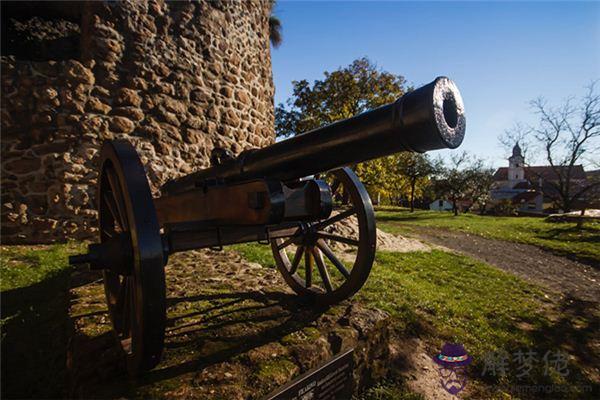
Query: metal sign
(332, 380)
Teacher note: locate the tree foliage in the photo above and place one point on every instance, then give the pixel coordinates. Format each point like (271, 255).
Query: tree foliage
(416, 169)
(275, 28)
(341, 94)
(482, 180)
(464, 177)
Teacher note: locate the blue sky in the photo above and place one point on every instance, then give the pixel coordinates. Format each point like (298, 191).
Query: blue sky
(501, 54)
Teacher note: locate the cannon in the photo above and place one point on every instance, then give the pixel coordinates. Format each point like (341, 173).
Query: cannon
(292, 195)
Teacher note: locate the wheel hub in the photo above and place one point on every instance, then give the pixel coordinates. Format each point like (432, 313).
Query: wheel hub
(115, 255)
(309, 235)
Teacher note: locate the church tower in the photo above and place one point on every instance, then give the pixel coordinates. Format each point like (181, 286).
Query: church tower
(516, 162)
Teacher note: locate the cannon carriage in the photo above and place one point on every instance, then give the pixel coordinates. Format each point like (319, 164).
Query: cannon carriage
(291, 195)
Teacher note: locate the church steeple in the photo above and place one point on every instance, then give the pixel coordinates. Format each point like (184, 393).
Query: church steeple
(516, 163)
(517, 150)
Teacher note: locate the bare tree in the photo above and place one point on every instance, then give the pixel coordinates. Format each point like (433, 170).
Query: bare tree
(564, 136)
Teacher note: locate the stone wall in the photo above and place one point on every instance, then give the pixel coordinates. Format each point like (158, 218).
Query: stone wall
(176, 79)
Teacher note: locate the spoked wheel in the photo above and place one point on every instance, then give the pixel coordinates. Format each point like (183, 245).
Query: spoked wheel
(330, 260)
(134, 283)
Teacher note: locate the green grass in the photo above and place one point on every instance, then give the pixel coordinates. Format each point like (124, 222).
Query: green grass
(22, 266)
(388, 390)
(35, 321)
(257, 253)
(437, 296)
(465, 300)
(452, 298)
(562, 238)
(446, 297)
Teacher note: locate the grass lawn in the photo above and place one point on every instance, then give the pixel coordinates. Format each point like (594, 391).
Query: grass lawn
(453, 298)
(562, 238)
(442, 297)
(436, 296)
(34, 283)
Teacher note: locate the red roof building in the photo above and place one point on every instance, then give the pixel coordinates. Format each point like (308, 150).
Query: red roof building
(529, 187)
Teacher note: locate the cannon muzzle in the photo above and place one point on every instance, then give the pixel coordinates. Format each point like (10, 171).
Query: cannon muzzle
(429, 118)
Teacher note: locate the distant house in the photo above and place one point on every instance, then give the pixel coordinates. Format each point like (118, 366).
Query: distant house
(593, 195)
(440, 205)
(528, 188)
(445, 205)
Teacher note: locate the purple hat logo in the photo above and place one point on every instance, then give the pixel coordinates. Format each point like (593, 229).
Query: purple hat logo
(452, 362)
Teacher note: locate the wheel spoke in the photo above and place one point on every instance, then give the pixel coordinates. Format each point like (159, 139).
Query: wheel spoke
(121, 297)
(132, 307)
(331, 256)
(322, 269)
(125, 318)
(336, 238)
(286, 243)
(296, 261)
(334, 187)
(308, 266)
(335, 218)
(116, 191)
(109, 200)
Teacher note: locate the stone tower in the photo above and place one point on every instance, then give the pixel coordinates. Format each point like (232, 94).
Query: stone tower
(516, 163)
(174, 78)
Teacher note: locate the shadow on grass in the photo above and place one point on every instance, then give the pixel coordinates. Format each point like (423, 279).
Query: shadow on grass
(564, 232)
(215, 328)
(35, 332)
(575, 328)
(573, 234)
(571, 333)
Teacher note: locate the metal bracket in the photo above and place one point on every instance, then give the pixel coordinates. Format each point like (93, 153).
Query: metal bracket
(267, 240)
(219, 246)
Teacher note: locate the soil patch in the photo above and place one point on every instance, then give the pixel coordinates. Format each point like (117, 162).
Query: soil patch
(348, 228)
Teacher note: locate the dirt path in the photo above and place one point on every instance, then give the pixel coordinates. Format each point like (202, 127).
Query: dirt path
(560, 274)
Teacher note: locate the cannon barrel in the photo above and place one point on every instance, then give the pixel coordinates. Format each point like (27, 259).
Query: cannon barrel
(429, 118)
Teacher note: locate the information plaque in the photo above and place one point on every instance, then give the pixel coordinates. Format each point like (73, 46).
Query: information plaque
(332, 380)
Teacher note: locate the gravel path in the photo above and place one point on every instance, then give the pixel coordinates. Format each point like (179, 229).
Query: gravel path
(561, 274)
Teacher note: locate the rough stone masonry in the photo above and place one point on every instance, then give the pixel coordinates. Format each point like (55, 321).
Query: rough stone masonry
(175, 78)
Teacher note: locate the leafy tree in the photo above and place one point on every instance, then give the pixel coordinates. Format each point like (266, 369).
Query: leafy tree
(564, 136)
(416, 168)
(482, 180)
(465, 177)
(344, 93)
(381, 177)
(275, 35)
(375, 175)
(454, 179)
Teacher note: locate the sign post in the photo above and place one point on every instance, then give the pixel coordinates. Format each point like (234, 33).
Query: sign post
(332, 380)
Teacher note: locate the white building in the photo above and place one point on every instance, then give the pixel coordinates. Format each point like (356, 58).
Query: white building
(513, 184)
(440, 205)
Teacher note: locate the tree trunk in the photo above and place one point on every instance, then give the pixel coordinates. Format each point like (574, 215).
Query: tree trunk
(482, 209)
(581, 218)
(412, 195)
(566, 207)
(454, 207)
